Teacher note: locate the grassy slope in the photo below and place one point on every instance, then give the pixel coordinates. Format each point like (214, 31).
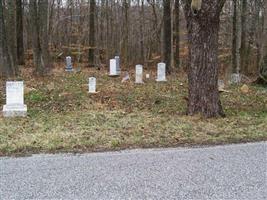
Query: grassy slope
(63, 117)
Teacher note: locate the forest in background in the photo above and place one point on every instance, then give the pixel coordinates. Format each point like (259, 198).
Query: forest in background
(140, 31)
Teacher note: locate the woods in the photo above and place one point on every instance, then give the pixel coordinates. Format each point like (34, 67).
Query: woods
(191, 37)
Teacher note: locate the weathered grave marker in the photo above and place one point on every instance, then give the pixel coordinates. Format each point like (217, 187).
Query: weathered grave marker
(235, 78)
(118, 68)
(138, 74)
(161, 74)
(14, 100)
(113, 68)
(92, 85)
(69, 67)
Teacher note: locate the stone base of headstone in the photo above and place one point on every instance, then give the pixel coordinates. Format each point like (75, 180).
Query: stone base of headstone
(69, 70)
(161, 80)
(15, 111)
(93, 92)
(114, 75)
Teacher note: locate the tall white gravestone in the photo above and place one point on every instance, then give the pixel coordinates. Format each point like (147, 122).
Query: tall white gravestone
(161, 75)
(118, 68)
(138, 74)
(69, 67)
(15, 106)
(92, 85)
(113, 68)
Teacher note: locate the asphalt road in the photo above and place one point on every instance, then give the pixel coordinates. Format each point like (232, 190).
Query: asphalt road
(222, 172)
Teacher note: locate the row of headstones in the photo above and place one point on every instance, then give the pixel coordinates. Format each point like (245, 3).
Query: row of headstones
(115, 70)
(15, 89)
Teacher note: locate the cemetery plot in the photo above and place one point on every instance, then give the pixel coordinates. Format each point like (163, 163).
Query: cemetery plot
(62, 116)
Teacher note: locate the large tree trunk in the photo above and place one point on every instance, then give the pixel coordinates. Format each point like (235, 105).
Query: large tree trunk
(19, 32)
(39, 21)
(6, 69)
(203, 34)
(167, 34)
(11, 34)
(263, 63)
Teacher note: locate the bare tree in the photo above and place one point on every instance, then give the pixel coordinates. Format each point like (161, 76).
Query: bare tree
(92, 33)
(177, 33)
(167, 34)
(19, 32)
(39, 25)
(235, 39)
(5, 62)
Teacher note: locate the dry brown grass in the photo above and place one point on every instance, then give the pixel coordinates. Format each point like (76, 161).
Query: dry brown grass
(62, 117)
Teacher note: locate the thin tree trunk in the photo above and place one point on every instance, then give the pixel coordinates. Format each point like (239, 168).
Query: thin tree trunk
(234, 42)
(19, 32)
(244, 46)
(125, 42)
(92, 33)
(177, 33)
(167, 34)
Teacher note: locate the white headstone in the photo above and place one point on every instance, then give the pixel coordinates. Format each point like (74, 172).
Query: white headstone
(138, 74)
(221, 85)
(92, 85)
(69, 67)
(118, 69)
(14, 100)
(113, 68)
(161, 75)
(235, 78)
(147, 76)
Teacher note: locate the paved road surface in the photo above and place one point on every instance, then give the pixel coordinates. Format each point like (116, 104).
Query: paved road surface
(223, 172)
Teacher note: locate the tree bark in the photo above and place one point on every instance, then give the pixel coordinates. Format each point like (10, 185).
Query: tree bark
(167, 34)
(203, 34)
(40, 43)
(6, 69)
(177, 33)
(11, 34)
(19, 32)
(91, 56)
(263, 66)
(234, 42)
(244, 47)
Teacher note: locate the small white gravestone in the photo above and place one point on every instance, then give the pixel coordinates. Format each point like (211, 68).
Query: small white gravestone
(69, 67)
(147, 76)
(118, 68)
(161, 75)
(221, 85)
(113, 68)
(14, 100)
(92, 85)
(235, 78)
(138, 74)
